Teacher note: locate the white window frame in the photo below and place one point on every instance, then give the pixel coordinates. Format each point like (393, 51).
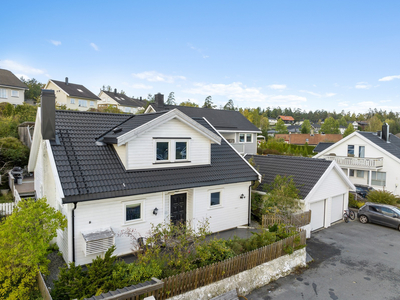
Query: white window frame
(14, 93)
(72, 101)
(221, 204)
(142, 211)
(373, 178)
(91, 103)
(3, 93)
(171, 150)
(82, 103)
(244, 137)
(359, 172)
(251, 137)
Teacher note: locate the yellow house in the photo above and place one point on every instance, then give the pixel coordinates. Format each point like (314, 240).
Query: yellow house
(73, 96)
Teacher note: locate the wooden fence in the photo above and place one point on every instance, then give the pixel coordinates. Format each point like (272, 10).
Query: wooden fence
(297, 220)
(42, 287)
(184, 282)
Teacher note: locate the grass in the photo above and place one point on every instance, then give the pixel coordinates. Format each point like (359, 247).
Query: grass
(6, 198)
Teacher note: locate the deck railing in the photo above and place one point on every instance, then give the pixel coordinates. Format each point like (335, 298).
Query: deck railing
(345, 161)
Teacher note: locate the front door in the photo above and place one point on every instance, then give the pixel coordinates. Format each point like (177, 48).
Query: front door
(178, 208)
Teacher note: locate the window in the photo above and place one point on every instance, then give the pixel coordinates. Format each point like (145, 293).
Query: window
(14, 93)
(3, 93)
(127, 109)
(387, 211)
(134, 211)
(180, 150)
(361, 151)
(351, 173)
(350, 150)
(91, 103)
(248, 138)
(241, 138)
(162, 150)
(360, 173)
(378, 178)
(72, 101)
(215, 198)
(82, 103)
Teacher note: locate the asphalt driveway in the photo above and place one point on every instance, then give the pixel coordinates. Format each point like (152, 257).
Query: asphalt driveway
(351, 261)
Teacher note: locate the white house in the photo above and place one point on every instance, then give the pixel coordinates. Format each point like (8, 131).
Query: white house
(368, 158)
(108, 172)
(72, 95)
(12, 90)
(232, 125)
(323, 187)
(122, 101)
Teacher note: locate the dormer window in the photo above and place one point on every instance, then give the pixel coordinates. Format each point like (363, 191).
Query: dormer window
(171, 150)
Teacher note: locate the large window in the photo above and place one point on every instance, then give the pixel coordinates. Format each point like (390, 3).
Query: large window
(82, 103)
(361, 151)
(72, 101)
(162, 151)
(133, 211)
(3, 93)
(14, 93)
(245, 138)
(378, 178)
(180, 150)
(215, 198)
(360, 173)
(172, 150)
(350, 150)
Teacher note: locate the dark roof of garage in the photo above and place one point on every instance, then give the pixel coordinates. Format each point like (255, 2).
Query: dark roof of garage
(305, 171)
(89, 172)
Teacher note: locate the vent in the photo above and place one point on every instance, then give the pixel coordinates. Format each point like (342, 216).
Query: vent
(118, 129)
(99, 241)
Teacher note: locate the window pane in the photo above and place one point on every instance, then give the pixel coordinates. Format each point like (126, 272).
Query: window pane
(3, 93)
(133, 212)
(378, 178)
(72, 101)
(241, 138)
(180, 150)
(91, 103)
(14, 93)
(162, 150)
(361, 151)
(215, 198)
(360, 174)
(351, 172)
(248, 138)
(350, 149)
(83, 103)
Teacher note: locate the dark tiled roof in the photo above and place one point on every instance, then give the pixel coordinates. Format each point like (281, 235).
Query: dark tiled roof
(124, 100)
(321, 147)
(90, 172)
(305, 171)
(7, 78)
(220, 119)
(393, 147)
(72, 90)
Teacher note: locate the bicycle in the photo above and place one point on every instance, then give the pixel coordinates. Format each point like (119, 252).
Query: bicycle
(348, 214)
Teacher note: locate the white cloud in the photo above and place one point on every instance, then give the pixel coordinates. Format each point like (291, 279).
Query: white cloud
(390, 78)
(141, 86)
(277, 86)
(55, 43)
(363, 85)
(23, 76)
(330, 94)
(154, 76)
(343, 104)
(385, 101)
(19, 68)
(94, 46)
(311, 93)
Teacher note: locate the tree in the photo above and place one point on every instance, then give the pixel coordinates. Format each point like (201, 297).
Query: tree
(330, 126)
(374, 124)
(306, 127)
(13, 152)
(349, 130)
(342, 121)
(171, 99)
(189, 103)
(150, 98)
(24, 241)
(122, 92)
(208, 103)
(394, 126)
(35, 88)
(229, 105)
(281, 127)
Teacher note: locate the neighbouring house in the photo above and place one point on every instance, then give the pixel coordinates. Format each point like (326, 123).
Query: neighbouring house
(122, 101)
(342, 129)
(233, 126)
(73, 96)
(323, 187)
(321, 147)
(315, 128)
(354, 123)
(368, 158)
(272, 121)
(286, 119)
(12, 90)
(109, 172)
(310, 139)
(294, 128)
(363, 124)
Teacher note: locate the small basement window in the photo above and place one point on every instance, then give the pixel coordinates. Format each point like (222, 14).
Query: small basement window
(98, 241)
(133, 211)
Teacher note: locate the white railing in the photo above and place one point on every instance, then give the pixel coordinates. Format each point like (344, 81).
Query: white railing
(239, 147)
(11, 182)
(7, 208)
(345, 161)
(17, 197)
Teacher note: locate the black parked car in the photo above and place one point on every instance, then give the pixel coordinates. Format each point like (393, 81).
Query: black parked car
(363, 190)
(383, 214)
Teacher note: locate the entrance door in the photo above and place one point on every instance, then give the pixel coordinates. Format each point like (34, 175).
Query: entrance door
(178, 208)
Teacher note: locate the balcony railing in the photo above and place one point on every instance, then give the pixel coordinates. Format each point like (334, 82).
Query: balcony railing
(345, 161)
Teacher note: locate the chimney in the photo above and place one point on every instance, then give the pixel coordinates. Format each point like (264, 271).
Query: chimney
(66, 80)
(48, 114)
(140, 98)
(115, 91)
(385, 132)
(159, 100)
(379, 134)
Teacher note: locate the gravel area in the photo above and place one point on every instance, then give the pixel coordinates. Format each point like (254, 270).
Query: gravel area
(56, 262)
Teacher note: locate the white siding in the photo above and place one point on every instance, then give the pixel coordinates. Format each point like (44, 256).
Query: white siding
(141, 150)
(332, 185)
(121, 151)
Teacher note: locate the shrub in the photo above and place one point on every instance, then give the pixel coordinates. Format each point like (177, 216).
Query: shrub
(383, 197)
(353, 202)
(9, 127)
(13, 152)
(213, 251)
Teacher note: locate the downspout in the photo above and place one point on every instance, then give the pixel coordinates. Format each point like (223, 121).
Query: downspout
(249, 206)
(73, 232)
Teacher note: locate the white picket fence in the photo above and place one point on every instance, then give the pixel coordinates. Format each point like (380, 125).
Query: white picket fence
(7, 208)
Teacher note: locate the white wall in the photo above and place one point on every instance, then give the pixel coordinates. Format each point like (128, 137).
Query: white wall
(199, 152)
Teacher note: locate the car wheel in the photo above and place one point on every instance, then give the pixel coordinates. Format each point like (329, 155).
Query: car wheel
(363, 219)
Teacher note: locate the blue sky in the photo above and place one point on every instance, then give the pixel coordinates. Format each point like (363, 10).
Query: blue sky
(331, 55)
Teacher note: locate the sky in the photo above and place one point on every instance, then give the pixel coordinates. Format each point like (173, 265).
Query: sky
(312, 55)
